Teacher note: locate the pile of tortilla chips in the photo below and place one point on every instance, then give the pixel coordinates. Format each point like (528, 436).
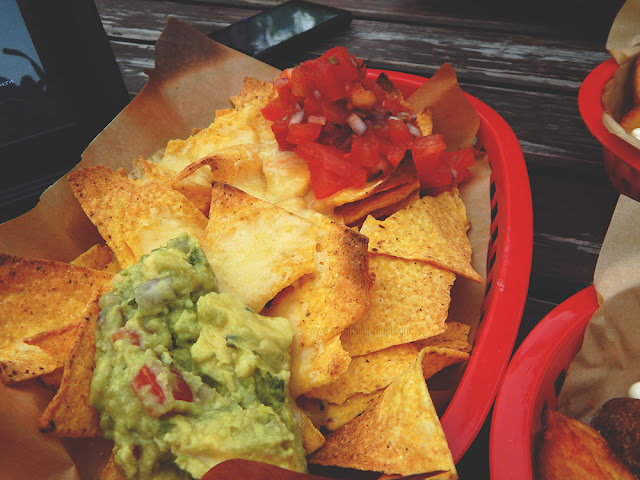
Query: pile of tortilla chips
(364, 277)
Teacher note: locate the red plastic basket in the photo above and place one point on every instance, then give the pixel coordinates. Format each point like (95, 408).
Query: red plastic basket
(621, 159)
(529, 385)
(508, 270)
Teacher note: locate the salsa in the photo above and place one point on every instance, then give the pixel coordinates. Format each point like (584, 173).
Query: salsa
(351, 130)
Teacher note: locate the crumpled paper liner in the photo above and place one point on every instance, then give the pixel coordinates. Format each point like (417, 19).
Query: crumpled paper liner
(192, 78)
(624, 44)
(609, 360)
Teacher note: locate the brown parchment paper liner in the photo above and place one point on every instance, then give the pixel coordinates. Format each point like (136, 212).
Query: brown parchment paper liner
(609, 360)
(623, 44)
(192, 78)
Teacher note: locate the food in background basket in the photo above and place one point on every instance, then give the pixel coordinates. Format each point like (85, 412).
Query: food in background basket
(257, 212)
(631, 119)
(569, 449)
(618, 421)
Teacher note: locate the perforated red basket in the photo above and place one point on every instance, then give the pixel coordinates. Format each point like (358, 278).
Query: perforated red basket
(529, 385)
(508, 270)
(621, 159)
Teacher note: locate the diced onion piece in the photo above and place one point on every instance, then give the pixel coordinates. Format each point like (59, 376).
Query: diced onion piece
(297, 117)
(414, 130)
(356, 124)
(316, 119)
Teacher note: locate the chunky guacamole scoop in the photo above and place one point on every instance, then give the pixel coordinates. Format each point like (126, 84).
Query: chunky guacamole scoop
(186, 377)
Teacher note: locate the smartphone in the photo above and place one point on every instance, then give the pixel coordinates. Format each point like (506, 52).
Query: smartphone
(288, 25)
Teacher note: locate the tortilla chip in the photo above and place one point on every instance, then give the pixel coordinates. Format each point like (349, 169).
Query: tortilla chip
(384, 212)
(242, 125)
(255, 248)
(355, 212)
(338, 415)
(134, 216)
(239, 166)
(69, 413)
(110, 471)
(410, 301)
(322, 304)
(312, 437)
(570, 448)
(98, 257)
(39, 296)
(436, 359)
(399, 434)
(404, 173)
(432, 229)
(368, 373)
(424, 119)
(57, 342)
(52, 380)
(255, 94)
(455, 336)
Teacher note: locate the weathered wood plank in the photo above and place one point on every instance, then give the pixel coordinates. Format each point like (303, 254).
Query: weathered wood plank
(478, 56)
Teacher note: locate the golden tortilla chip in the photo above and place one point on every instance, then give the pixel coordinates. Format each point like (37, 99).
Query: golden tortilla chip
(69, 413)
(403, 174)
(354, 213)
(432, 229)
(368, 373)
(51, 380)
(110, 471)
(399, 434)
(571, 449)
(437, 358)
(193, 181)
(242, 125)
(409, 302)
(455, 336)
(239, 166)
(424, 119)
(384, 212)
(133, 216)
(255, 94)
(56, 342)
(312, 437)
(338, 415)
(98, 257)
(39, 296)
(255, 248)
(322, 304)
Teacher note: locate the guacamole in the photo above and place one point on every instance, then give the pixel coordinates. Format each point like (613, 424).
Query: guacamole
(186, 377)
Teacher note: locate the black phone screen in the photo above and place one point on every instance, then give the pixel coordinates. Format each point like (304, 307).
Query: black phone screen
(260, 34)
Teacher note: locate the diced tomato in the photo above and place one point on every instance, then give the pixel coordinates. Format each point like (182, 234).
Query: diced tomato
(181, 390)
(331, 111)
(426, 152)
(275, 109)
(303, 81)
(303, 132)
(147, 388)
(280, 129)
(345, 65)
(459, 163)
(394, 106)
(329, 170)
(366, 151)
(126, 334)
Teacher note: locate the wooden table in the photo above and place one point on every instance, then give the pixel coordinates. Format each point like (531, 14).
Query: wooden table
(525, 61)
